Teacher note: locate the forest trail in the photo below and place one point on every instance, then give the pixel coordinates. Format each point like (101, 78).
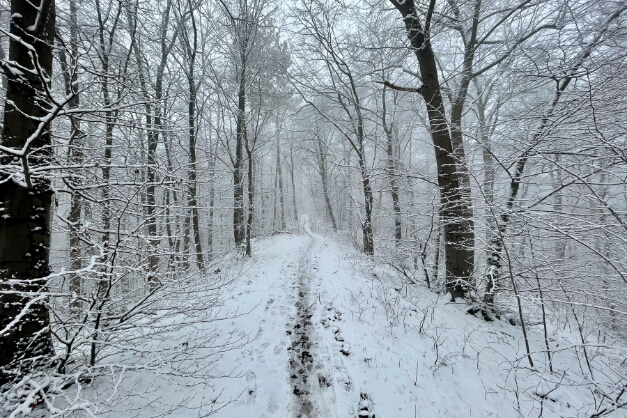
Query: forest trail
(296, 358)
(304, 344)
(340, 337)
(313, 365)
(317, 330)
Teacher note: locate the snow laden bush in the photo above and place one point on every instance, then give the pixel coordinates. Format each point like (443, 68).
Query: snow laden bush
(123, 338)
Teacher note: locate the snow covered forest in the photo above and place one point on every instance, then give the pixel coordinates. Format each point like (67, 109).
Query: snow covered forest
(313, 208)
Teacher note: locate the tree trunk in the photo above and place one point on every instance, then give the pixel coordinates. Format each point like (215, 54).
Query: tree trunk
(192, 192)
(398, 226)
(26, 202)
(238, 177)
(75, 157)
(280, 177)
(455, 208)
(173, 236)
(212, 193)
(366, 226)
(152, 138)
(275, 200)
(109, 116)
(186, 234)
(193, 219)
(251, 199)
(293, 184)
(322, 165)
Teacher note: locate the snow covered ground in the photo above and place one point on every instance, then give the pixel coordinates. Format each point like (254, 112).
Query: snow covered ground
(317, 330)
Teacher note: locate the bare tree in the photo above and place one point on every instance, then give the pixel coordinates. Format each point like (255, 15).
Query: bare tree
(189, 41)
(343, 91)
(477, 27)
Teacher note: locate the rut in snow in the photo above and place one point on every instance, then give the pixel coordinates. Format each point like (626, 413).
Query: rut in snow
(301, 364)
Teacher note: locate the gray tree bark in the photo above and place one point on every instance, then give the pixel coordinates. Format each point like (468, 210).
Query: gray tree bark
(293, 184)
(279, 173)
(322, 167)
(398, 225)
(75, 157)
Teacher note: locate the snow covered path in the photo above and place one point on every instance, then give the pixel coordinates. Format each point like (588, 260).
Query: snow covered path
(290, 369)
(323, 332)
(270, 294)
(301, 363)
(336, 337)
(286, 369)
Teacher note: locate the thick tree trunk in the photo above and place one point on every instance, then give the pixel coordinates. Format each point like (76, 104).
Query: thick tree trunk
(26, 202)
(455, 208)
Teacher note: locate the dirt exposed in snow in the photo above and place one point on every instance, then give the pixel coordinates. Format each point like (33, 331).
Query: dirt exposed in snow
(301, 363)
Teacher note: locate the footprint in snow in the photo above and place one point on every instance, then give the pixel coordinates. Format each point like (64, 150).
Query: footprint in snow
(338, 336)
(346, 349)
(251, 381)
(365, 406)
